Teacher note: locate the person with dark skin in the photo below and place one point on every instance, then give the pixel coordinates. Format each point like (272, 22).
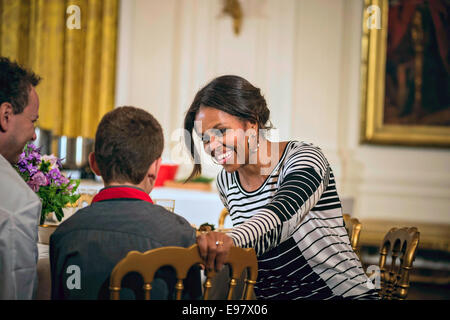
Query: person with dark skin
(281, 197)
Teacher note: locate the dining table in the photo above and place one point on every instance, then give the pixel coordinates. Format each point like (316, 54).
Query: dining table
(196, 206)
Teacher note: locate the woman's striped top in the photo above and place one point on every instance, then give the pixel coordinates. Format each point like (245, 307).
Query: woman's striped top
(294, 222)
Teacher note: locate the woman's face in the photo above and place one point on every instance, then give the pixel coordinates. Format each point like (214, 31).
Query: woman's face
(224, 137)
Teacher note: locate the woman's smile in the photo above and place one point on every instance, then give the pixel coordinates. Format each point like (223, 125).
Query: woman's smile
(224, 157)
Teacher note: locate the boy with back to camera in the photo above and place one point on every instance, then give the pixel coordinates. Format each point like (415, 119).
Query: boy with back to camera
(122, 216)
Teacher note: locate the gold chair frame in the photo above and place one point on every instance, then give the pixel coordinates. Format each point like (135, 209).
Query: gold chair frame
(84, 198)
(223, 214)
(353, 227)
(170, 208)
(400, 243)
(182, 259)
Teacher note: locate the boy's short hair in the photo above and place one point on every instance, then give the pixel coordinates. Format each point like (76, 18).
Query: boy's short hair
(15, 84)
(127, 142)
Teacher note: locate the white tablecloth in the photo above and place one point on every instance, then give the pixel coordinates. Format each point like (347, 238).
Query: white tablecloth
(197, 207)
(43, 250)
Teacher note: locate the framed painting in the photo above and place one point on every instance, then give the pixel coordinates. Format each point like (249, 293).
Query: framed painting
(405, 73)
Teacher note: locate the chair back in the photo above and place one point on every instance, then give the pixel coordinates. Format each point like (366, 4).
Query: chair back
(353, 227)
(182, 259)
(84, 200)
(397, 254)
(223, 214)
(168, 204)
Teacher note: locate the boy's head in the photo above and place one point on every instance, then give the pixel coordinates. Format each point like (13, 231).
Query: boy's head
(128, 146)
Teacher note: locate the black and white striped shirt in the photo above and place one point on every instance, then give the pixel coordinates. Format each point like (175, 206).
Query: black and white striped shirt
(294, 222)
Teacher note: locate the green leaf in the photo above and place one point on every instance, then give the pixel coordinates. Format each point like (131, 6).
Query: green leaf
(59, 214)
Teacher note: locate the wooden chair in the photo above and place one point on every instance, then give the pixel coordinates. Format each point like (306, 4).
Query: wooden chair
(400, 245)
(84, 200)
(182, 259)
(223, 214)
(169, 204)
(353, 227)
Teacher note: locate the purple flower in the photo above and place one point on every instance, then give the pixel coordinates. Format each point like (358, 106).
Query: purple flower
(22, 162)
(64, 180)
(56, 177)
(32, 148)
(69, 188)
(29, 160)
(37, 181)
(40, 178)
(34, 156)
(43, 176)
(31, 169)
(59, 163)
(54, 174)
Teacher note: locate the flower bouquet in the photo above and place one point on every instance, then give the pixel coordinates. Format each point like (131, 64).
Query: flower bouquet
(43, 175)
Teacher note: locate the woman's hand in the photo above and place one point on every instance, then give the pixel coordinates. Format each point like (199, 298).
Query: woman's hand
(214, 248)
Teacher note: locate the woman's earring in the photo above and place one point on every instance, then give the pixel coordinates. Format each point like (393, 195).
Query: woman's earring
(253, 150)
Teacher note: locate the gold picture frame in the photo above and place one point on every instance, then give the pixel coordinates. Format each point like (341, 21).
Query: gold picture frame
(374, 47)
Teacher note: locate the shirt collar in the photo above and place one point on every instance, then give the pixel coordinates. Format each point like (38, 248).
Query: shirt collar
(121, 192)
(3, 160)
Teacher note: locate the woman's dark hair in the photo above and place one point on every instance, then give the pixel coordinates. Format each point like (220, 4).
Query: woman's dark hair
(233, 95)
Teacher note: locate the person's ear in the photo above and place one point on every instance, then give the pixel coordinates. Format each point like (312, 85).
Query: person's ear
(93, 164)
(153, 169)
(6, 112)
(158, 165)
(251, 126)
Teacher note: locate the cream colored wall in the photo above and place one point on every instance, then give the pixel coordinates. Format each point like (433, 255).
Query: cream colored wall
(305, 56)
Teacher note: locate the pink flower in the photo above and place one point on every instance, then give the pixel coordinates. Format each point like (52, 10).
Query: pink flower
(52, 159)
(38, 180)
(33, 186)
(64, 180)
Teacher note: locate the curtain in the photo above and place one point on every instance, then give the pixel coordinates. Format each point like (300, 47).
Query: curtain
(76, 63)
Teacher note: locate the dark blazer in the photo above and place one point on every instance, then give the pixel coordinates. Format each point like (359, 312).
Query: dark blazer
(97, 237)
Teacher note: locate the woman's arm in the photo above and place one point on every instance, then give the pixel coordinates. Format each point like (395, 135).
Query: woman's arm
(298, 193)
(304, 179)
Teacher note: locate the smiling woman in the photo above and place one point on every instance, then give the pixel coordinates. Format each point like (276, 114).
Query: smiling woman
(230, 109)
(281, 196)
(228, 142)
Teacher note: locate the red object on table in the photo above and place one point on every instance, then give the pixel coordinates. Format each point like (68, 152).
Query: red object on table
(166, 172)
